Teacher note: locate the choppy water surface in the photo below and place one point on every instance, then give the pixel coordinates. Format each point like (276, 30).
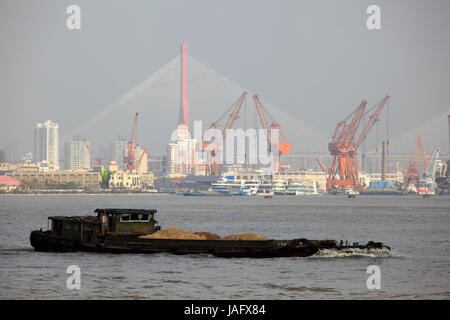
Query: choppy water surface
(417, 229)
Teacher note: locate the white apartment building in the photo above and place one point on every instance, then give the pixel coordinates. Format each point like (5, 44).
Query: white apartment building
(46, 142)
(181, 154)
(76, 155)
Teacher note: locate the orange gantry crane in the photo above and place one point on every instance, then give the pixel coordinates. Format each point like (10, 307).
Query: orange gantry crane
(284, 147)
(129, 159)
(91, 156)
(412, 174)
(343, 173)
(212, 167)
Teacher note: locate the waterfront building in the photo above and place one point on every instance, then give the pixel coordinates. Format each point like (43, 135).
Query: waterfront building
(125, 180)
(80, 178)
(113, 166)
(148, 181)
(397, 178)
(9, 184)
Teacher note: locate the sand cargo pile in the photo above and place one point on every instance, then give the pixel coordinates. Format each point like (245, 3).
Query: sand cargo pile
(176, 233)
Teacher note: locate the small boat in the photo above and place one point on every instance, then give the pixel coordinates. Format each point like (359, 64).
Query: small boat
(192, 193)
(130, 231)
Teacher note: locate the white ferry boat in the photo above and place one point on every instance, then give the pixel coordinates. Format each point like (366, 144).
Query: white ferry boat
(299, 187)
(265, 189)
(279, 187)
(250, 188)
(227, 186)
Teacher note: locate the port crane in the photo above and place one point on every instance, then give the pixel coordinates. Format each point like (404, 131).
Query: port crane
(129, 159)
(284, 147)
(212, 167)
(343, 173)
(91, 156)
(138, 162)
(412, 174)
(427, 184)
(321, 163)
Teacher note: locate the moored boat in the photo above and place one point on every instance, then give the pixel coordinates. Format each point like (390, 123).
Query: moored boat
(302, 188)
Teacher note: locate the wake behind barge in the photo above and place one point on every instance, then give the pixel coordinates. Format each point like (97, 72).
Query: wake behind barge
(120, 231)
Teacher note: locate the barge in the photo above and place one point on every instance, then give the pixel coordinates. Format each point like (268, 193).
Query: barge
(125, 231)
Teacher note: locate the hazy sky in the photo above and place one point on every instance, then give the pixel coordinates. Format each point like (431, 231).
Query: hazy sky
(316, 60)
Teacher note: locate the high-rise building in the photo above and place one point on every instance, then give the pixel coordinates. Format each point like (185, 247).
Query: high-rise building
(46, 142)
(76, 155)
(119, 152)
(181, 154)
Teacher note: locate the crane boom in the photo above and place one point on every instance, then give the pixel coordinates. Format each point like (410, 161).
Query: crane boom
(234, 115)
(129, 160)
(261, 113)
(372, 120)
(344, 133)
(432, 165)
(212, 168)
(284, 146)
(91, 156)
(323, 166)
(354, 124)
(138, 162)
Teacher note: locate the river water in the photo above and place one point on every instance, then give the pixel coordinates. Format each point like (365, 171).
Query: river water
(417, 230)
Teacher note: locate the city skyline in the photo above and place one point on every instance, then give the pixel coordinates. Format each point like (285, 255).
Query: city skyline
(282, 61)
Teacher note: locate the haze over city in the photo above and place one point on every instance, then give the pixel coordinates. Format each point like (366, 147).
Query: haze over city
(311, 63)
(201, 150)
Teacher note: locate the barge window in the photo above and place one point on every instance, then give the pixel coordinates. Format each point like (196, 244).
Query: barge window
(125, 217)
(135, 217)
(143, 217)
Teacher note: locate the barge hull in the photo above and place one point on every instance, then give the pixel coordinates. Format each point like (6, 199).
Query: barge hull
(45, 241)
